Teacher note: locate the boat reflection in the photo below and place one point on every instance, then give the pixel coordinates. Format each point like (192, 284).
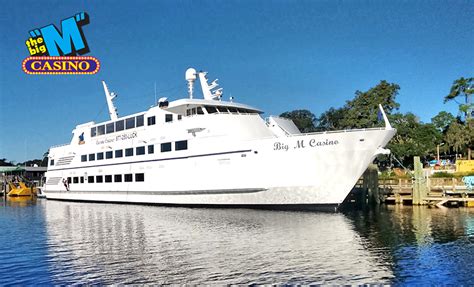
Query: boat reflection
(127, 244)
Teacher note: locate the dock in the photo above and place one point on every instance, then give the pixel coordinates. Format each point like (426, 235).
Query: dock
(417, 190)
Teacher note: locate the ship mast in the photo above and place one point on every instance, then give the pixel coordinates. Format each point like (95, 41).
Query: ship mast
(110, 97)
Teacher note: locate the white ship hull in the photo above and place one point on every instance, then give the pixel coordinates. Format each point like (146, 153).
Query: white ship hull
(291, 172)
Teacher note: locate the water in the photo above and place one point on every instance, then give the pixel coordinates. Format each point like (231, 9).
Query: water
(52, 242)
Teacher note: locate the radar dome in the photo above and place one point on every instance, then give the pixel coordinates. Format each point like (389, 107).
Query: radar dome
(191, 74)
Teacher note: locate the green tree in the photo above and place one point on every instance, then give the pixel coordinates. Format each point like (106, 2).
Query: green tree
(4, 162)
(303, 119)
(362, 111)
(442, 121)
(464, 88)
(413, 138)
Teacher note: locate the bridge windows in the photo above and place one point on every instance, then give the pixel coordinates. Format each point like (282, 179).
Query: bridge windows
(151, 120)
(110, 128)
(139, 121)
(119, 125)
(101, 130)
(130, 123)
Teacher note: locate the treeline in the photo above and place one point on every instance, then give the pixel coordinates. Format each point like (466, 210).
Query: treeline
(39, 162)
(450, 134)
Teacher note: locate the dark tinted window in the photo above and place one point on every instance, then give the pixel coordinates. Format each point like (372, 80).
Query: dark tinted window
(139, 121)
(75, 179)
(222, 109)
(151, 121)
(168, 118)
(90, 179)
(69, 180)
(118, 178)
(93, 132)
(180, 117)
(199, 111)
(140, 177)
(181, 145)
(128, 151)
(100, 130)
(118, 153)
(211, 110)
(91, 156)
(130, 123)
(108, 178)
(232, 110)
(82, 179)
(165, 147)
(140, 150)
(84, 157)
(128, 177)
(151, 149)
(108, 154)
(51, 162)
(110, 128)
(100, 156)
(99, 179)
(119, 125)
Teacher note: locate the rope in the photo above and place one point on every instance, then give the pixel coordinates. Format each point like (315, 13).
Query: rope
(406, 169)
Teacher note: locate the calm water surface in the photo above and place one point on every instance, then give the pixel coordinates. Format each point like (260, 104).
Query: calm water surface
(52, 242)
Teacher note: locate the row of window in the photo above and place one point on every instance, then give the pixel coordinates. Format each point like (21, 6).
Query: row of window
(129, 123)
(164, 147)
(217, 109)
(139, 177)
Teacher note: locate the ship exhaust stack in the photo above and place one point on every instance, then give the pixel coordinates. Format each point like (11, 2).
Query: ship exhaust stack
(190, 77)
(110, 98)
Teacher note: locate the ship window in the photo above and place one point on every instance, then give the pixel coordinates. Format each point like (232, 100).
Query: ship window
(199, 111)
(181, 145)
(99, 179)
(82, 179)
(91, 156)
(139, 121)
(130, 123)
(100, 130)
(139, 177)
(140, 150)
(84, 157)
(211, 110)
(119, 125)
(69, 180)
(128, 177)
(180, 117)
(188, 112)
(109, 128)
(129, 152)
(232, 110)
(222, 109)
(108, 154)
(151, 149)
(90, 179)
(100, 156)
(151, 121)
(165, 147)
(75, 179)
(119, 153)
(51, 162)
(108, 178)
(168, 118)
(118, 178)
(93, 132)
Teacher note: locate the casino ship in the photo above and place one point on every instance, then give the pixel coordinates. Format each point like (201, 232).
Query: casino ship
(210, 152)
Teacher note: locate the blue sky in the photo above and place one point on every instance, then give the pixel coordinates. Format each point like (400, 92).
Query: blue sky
(276, 55)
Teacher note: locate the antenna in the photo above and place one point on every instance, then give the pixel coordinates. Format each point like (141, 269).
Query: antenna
(190, 76)
(110, 97)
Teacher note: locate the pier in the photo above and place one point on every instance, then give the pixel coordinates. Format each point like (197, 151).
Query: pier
(417, 190)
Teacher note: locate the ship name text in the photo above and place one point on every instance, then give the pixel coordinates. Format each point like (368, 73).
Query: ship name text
(117, 138)
(301, 144)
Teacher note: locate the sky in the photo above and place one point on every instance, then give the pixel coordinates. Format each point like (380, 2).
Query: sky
(276, 55)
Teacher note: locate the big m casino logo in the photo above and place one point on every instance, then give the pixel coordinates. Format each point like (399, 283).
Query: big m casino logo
(54, 51)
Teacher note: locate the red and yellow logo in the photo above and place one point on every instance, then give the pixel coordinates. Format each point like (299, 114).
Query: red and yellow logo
(61, 65)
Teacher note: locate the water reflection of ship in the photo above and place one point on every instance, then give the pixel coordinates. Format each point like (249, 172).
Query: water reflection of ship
(140, 244)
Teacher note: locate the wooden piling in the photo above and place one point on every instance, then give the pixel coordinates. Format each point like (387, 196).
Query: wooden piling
(371, 184)
(420, 188)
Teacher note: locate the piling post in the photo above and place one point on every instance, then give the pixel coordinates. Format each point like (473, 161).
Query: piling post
(371, 184)
(420, 188)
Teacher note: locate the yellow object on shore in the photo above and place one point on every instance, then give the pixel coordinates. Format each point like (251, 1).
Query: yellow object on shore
(464, 165)
(23, 190)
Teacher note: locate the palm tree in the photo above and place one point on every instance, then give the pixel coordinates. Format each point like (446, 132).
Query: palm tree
(462, 87)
